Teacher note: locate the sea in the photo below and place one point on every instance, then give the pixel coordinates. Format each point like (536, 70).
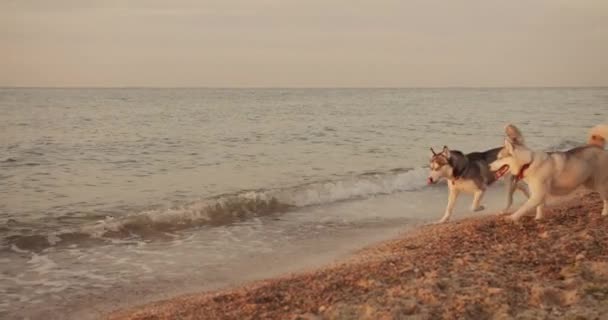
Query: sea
(111, 198)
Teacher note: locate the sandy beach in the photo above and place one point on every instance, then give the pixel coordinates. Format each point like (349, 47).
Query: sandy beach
(476, 268)
(292, 159)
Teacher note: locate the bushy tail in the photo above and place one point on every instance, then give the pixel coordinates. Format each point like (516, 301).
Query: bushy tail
(598, 135)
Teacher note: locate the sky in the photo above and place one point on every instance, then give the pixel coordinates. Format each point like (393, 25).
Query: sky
(303, 43)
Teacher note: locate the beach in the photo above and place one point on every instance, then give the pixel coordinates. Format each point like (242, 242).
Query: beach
(278, 159)
(474, 268)
(194, 190)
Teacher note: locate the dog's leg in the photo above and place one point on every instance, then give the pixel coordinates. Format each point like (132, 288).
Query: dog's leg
(537, 198)
(533, 202)
(539, 212)
(476, 200)
(602, 188)
(511, 186)
(451, 203)
(520, 186)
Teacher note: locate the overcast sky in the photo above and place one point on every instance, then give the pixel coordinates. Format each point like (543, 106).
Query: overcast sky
(304, 43)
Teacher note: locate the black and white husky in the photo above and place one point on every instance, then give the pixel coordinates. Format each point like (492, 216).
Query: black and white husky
(468, 173)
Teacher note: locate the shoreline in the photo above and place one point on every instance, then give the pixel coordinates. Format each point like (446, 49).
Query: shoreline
(473, 268)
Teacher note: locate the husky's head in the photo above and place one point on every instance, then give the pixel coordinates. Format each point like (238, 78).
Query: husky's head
(440, 166)
(513, 156)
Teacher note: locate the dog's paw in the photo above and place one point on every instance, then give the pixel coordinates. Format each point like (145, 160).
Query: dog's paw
(480, 208)
(505, 211)
(442, 221)
(511, 219)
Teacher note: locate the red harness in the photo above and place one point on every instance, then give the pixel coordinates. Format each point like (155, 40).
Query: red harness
(521, 173)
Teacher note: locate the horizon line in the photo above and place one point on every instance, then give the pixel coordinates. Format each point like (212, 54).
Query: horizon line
(306, 87)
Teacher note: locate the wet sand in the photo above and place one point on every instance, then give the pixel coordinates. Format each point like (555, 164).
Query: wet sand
(475, 268)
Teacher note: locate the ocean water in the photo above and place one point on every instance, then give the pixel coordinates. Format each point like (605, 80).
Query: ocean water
(110, 197)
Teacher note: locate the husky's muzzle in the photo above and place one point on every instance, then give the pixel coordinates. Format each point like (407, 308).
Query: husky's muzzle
(430, 181)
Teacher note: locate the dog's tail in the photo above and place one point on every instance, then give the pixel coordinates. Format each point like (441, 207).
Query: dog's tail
(598, 135)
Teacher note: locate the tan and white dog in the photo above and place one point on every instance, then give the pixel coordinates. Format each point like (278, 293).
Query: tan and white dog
(555, 173)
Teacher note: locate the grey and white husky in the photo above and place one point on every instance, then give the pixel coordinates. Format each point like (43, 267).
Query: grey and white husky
(468, 173)
(555, 173)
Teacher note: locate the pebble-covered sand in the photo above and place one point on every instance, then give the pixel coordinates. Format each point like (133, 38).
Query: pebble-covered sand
(478, 268)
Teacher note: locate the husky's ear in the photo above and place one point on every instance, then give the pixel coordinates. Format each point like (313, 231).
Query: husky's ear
(433, 153)
(446, 152)
(509, 145)
(514, 135)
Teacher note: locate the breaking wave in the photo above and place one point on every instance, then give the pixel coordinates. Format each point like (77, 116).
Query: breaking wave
(230, 208)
